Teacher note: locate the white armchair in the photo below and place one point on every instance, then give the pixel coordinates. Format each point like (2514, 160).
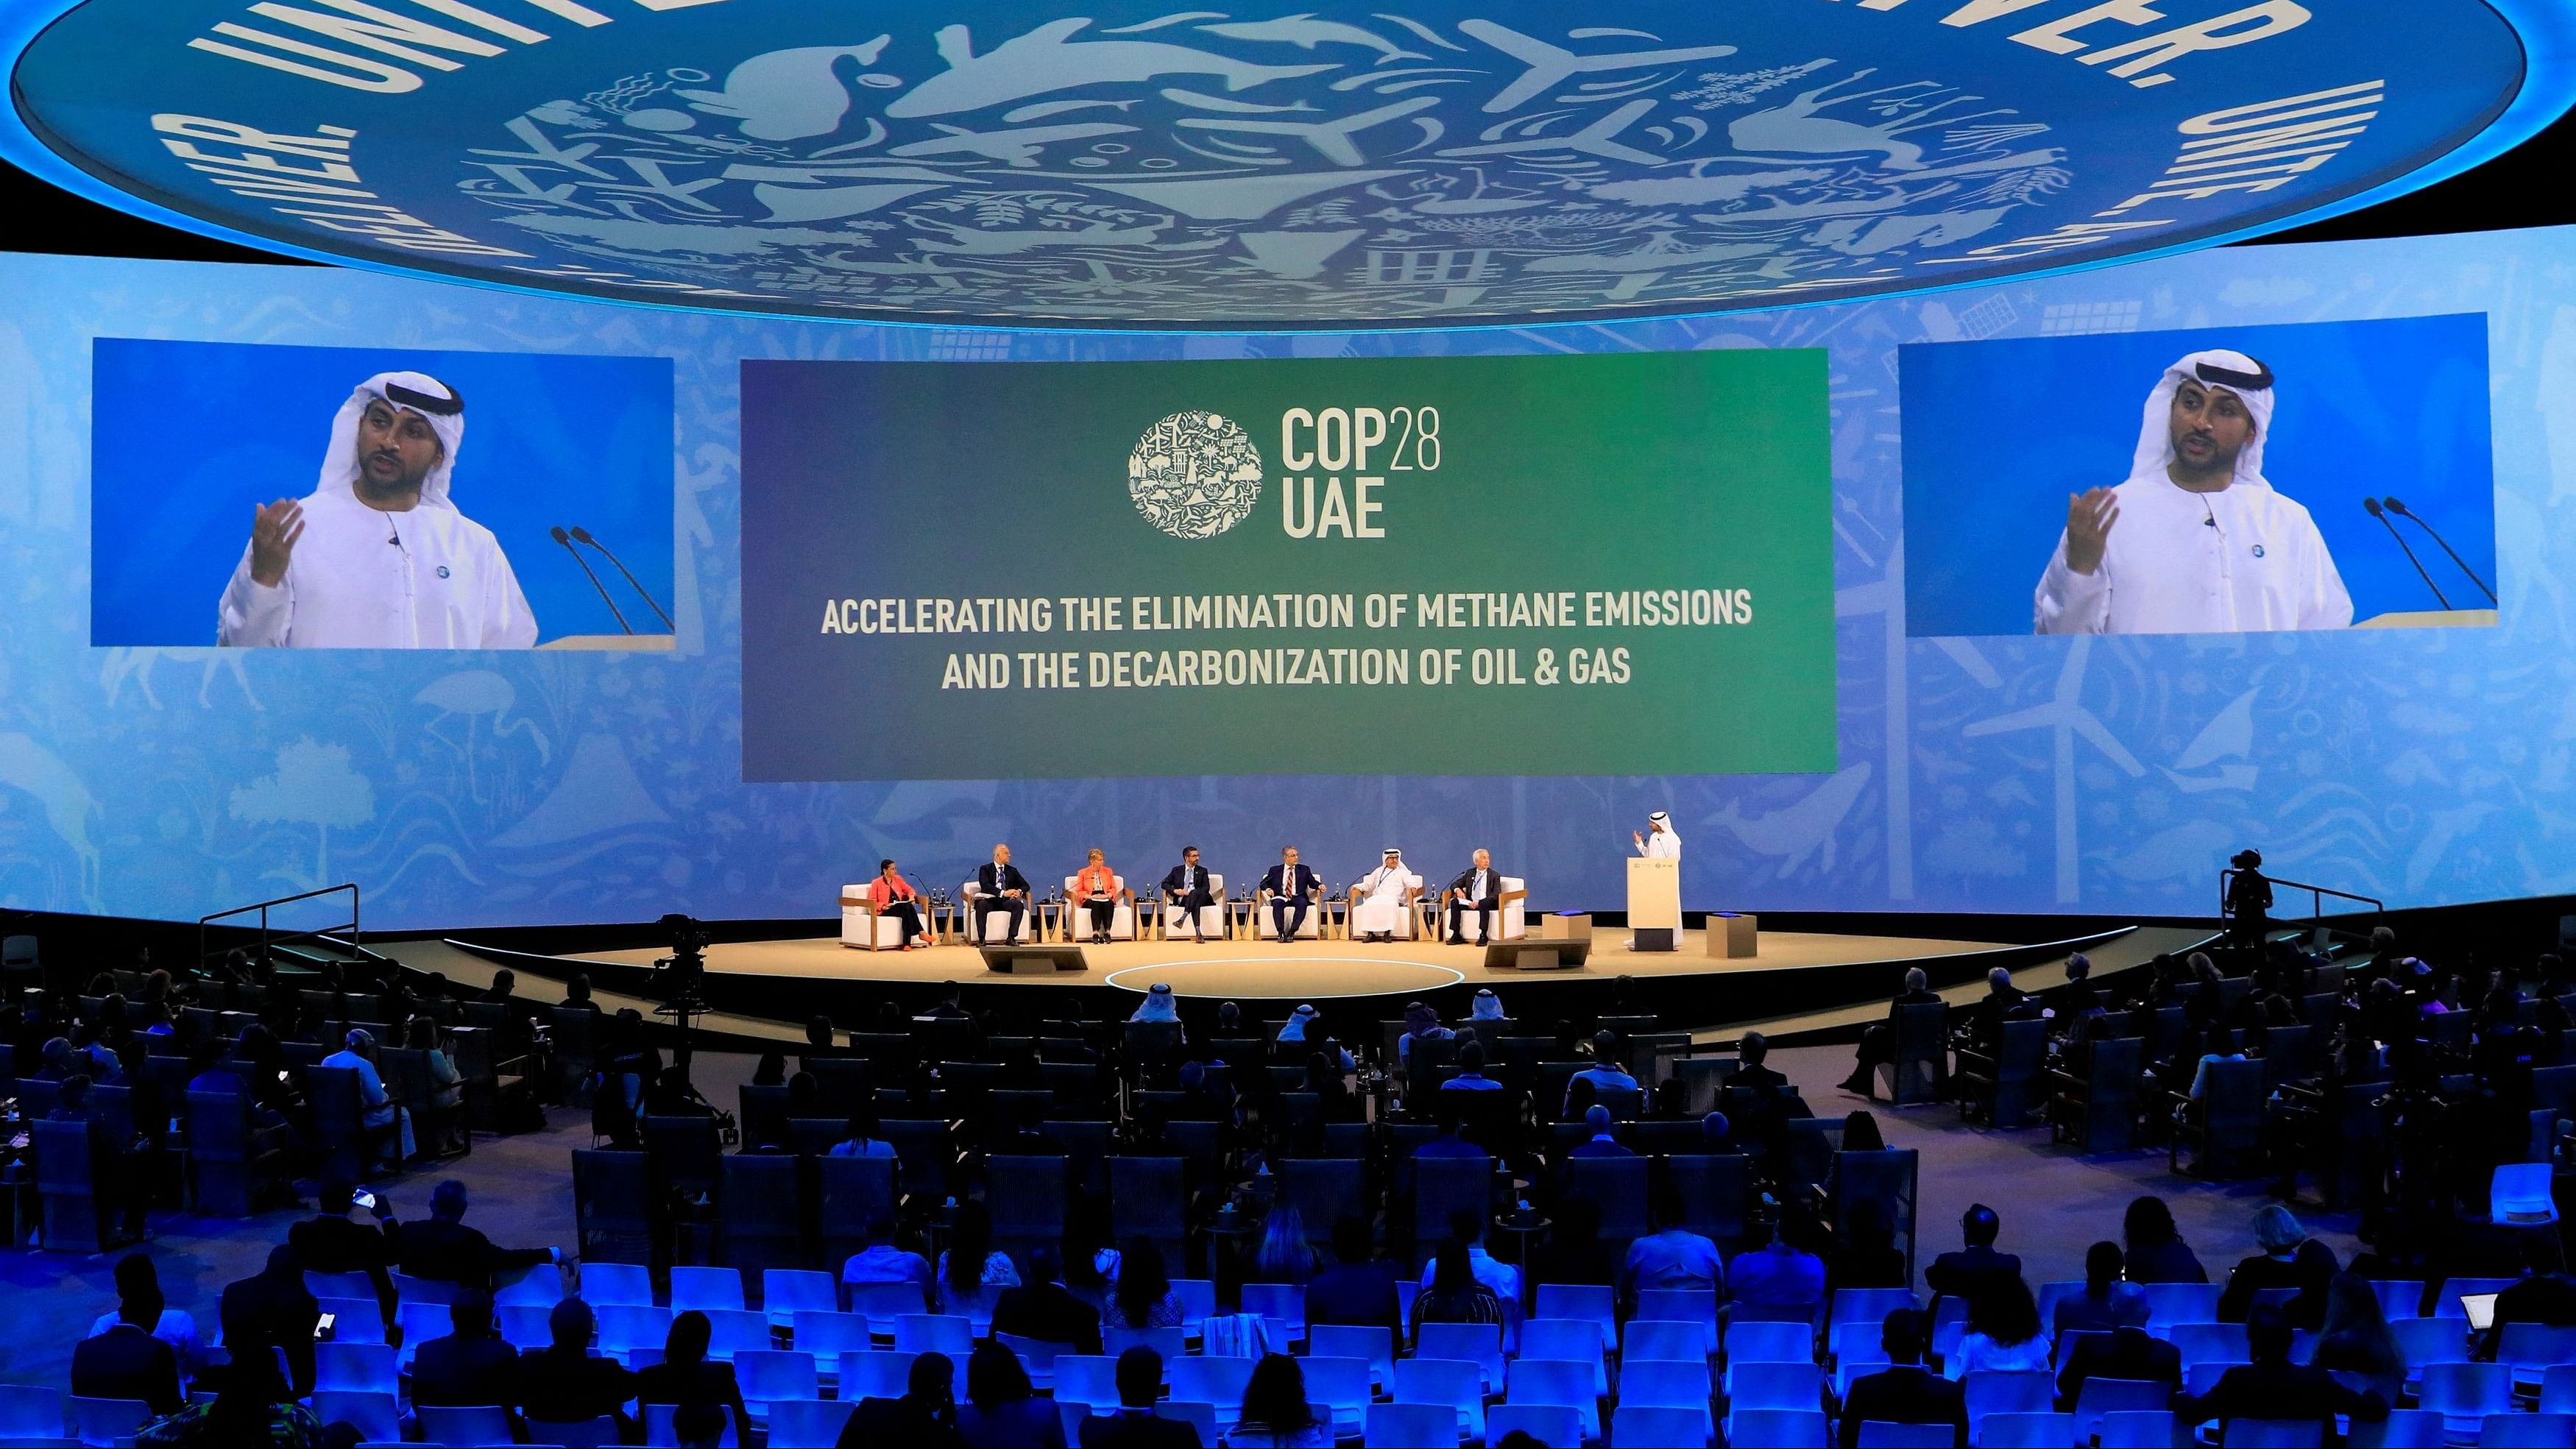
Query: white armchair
(1309, 929)
(1211, 916)
(862, 928)
(1077, 914)
(1027, 933)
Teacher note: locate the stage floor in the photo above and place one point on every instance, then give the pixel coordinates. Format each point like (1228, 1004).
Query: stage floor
(1268, 970)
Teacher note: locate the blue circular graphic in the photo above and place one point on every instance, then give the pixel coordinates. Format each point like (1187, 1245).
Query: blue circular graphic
(1161, 165)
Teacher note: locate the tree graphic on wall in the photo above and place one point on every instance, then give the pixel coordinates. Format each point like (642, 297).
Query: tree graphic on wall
(313, 786)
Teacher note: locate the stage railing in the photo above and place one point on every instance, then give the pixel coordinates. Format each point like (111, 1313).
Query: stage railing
(267, 938)
(2316, 895)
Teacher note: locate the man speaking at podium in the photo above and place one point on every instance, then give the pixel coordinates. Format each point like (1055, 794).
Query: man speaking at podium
(2196, 541)
(376, 556)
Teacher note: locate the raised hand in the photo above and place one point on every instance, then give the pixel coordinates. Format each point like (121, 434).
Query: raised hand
(2089, 517)
(273, 532)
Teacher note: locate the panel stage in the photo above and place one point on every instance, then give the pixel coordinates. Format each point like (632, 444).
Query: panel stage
(1798, 981)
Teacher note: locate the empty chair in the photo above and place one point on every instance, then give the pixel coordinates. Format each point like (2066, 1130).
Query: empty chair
(1778, 1428)
(1773, 1386)
(108, 1422)
(1410, 1426)
(354, 1320)
(1373, 1342)
(1882, 1434)
(2007, 1393)
(1477, 1343)
(1341, 1384)
(872, 1373)
(1082, 1378)
(1282, 1304)
(1853, 1305)
(1564, 1383)
(2527, 1431)
(1758, 1342)
(731, 1331)
(1651, 1339)
(1684, 1305)
(2465, 1393)
(1197, 1297)
(30, 1412)
(816, 1422)
(946, 1333)
(1559, 1424)
(626, 1327)
(374, 1416)
(2209, 1343)
(355, 1368)
(524, 1326)
(2014, 1429)
(2519, 1194)
(2531, 1349)
(2430, 1340)
(2137, 1429)
(1650, 1425)
(705, 1289)
(1595, 1303)
(1675, 1384)
(2558, 1389)
(768, 1375)
(1570, 1338)
(828, 1335)
(2171, 1303)
(539, 1286)
(786, 1292)
(1458, 1383)
(479, 1424)
(603, 1284)
(1169, 1342)
(2403, 1429)
(2103, 1397)
(882, 1303)
(1215, 1379)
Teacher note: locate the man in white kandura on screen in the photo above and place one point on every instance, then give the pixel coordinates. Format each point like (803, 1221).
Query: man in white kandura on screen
(377, 557)
(2195, 542)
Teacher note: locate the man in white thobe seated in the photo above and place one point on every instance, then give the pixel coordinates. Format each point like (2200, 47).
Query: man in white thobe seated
(1380, 899)
(2196, 541)
(377, 557)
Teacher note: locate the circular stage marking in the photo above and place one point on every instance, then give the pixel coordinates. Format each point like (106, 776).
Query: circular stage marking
(1287, 978)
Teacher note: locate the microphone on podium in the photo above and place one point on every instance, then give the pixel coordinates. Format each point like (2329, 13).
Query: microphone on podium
(2372, 506)
(2402, 511)
(562, 538)
(582, 535)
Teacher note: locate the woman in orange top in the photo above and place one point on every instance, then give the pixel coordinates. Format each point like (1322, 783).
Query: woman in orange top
(1096, 886)
(894, 896)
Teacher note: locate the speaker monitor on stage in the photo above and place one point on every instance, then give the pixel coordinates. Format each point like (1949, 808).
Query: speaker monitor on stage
(1032, 959)
(1655, 902)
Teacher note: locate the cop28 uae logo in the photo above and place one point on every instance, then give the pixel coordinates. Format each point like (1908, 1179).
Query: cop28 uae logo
(1211, 165)
(1195, 475)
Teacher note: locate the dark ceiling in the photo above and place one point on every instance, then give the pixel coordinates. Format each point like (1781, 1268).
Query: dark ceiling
(2527, 186)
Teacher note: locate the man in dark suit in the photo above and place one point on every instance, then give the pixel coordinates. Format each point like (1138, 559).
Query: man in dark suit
(1905, 1392)
(442, 1247)
(1356, 1289)
(471, 1365)
(1478, 888)
(926, 1415)
(2547, 1295)
(334, 1242)
(2002, 1002)
(1290, 890)
(1601, 1144)
(2126, 1352)
(1968, 1272)
(1750, 1054)
(1186, 886)
(564, 1383)
(1135, 1425)
(127, 1361)
(2272, 1387)
(271, 1309)
(999, 886)
(1878, 1043)
(1045, 1311)
(2076, 999)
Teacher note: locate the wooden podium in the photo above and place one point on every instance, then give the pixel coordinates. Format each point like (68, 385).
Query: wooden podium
(1654, 903)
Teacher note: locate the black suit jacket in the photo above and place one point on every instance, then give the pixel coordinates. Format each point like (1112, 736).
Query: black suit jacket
(1756, 1076)
(456, 1371)
(1966, 1273)
(1275, 881)
(127, 1362)
(343, 1245)
(272, 1310)
(2279, 1391)
(572, 1388)
(1125, 1430)
(454, 1253)
(1909, 1395)
(1466, 881)
(1010, 879)
(1049, 1314)
(886, 1423)
(2124, 1353)
(1904, 999)
(1185, 879)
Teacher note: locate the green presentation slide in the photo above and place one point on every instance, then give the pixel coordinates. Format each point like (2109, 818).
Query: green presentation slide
(1542, 565)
